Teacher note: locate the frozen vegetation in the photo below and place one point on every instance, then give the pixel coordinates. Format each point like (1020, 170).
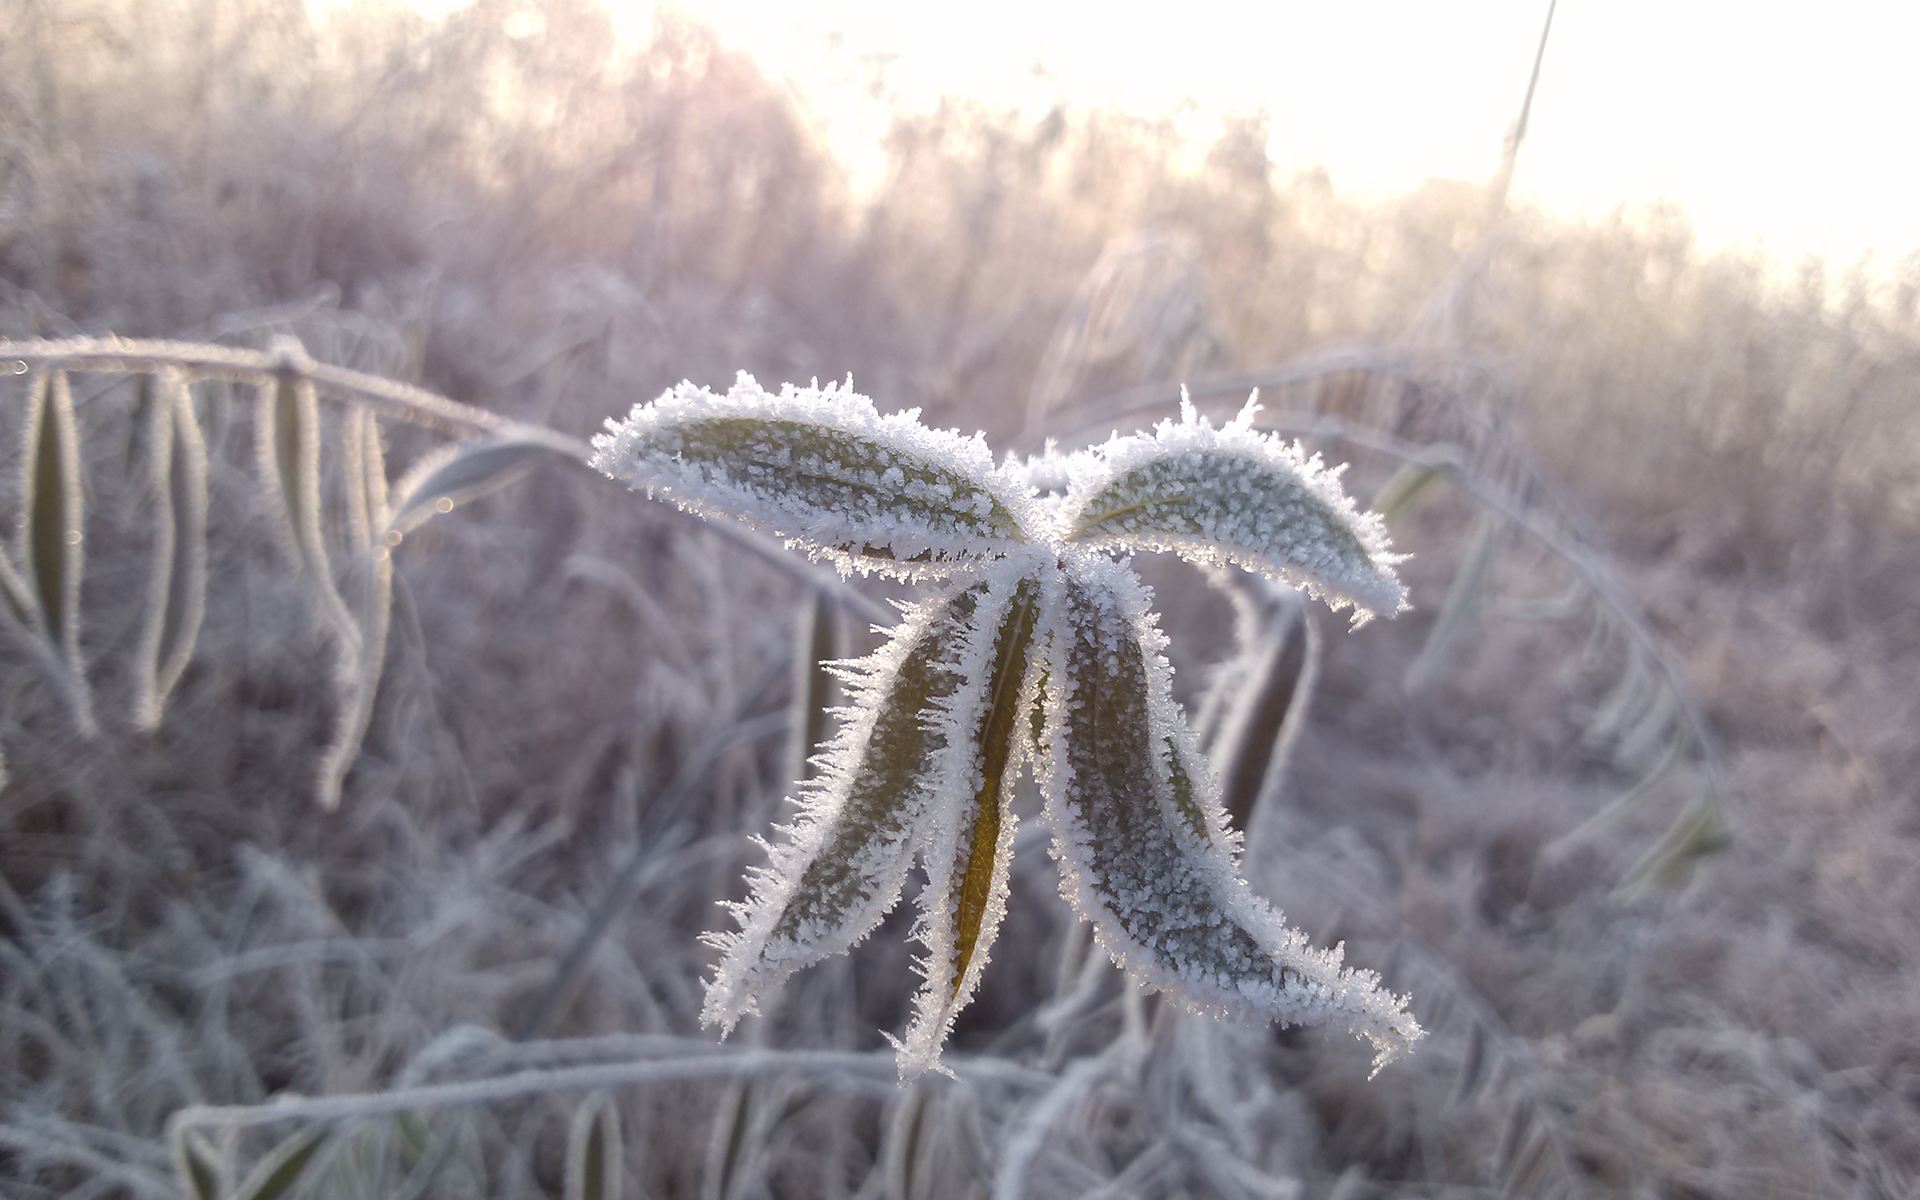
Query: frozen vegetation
(1622, 804)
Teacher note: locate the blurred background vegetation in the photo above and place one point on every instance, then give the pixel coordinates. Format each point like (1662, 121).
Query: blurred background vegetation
(540, 219)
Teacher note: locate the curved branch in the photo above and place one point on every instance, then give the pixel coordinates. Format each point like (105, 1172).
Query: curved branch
(869, 1070)
(390, 398)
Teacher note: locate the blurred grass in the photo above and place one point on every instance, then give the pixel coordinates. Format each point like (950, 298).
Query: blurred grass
(553, 226)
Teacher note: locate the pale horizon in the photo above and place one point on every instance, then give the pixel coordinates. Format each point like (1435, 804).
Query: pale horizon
(1773, 133)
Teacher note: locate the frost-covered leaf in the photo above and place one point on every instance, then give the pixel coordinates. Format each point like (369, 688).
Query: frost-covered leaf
(842, 863)
(823, 468)
(1143, 843)
(970, 834)
(1043, 653)
(1231, 494)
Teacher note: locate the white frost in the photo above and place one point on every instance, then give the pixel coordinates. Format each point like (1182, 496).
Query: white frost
(840, 866)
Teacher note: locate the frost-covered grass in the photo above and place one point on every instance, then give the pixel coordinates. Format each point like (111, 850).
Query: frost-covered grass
(585, 703)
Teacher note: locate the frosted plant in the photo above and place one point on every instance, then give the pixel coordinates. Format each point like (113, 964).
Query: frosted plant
(1035, 651)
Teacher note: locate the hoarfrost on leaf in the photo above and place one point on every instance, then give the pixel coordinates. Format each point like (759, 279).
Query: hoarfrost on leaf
(824, 469)
(969, 846)
(1142, 840)
(1231, 494)
(844, 860)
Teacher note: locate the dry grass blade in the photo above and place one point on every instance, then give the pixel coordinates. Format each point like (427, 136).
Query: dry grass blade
(1527, 1157)
(281, 1170)
(1403, 487)
(1141, 313)
(843, 864)
(595, 1153)
(731, 1142)
(177, 588)
(16, 598)
(1262, 719)
(1670, 758)
(1626, 700)
(193, 1162)
(288, 430)
(459, 473)
(362, 660)
(52, 528)
(907, 1145)
(971, 852)
(1462, 605)
(813, 690)
(1697, 833)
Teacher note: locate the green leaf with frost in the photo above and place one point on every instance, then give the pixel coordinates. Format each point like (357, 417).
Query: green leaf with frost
(1231, 494)
(822, 468)
(843, 862)
(1144, 848)
(969, 849)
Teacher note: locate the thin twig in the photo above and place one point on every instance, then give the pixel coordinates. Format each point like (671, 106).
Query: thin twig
(872, 1070)
(388, 397)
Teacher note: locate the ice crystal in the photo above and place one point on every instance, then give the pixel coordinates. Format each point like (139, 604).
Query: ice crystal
(1039, 653)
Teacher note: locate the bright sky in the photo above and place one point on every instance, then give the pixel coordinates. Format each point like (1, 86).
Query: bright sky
(1786, 127)
(1783, 126)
